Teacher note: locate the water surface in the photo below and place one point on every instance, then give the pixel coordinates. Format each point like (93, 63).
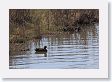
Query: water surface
(76, 50)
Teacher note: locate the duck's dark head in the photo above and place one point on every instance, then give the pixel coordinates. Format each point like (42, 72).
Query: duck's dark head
(45, 47)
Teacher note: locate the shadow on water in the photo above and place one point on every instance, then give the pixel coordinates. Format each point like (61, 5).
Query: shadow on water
(65, 50)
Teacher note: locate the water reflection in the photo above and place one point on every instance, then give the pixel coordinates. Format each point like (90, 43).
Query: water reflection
(44, 54)
(66, 50)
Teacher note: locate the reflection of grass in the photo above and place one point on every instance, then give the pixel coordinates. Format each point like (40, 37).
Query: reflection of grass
(22, 34)
(20, 38)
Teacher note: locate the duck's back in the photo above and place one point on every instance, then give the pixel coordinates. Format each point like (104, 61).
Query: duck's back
(40, 50)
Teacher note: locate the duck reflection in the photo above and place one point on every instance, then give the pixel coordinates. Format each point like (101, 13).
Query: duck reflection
(41, 54)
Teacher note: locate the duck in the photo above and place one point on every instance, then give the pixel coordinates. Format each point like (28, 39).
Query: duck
(41, 49)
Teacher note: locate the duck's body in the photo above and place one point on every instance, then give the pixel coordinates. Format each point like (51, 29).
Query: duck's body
(41, 49)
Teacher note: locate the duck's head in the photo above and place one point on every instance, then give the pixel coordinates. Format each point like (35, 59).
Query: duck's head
(45, 47)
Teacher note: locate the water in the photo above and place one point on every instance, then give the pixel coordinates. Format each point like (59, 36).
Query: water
(77, 50)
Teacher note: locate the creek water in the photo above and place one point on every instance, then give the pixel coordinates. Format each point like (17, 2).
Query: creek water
(76, 50)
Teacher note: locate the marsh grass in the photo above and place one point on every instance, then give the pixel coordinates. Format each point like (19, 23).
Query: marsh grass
(30, 24)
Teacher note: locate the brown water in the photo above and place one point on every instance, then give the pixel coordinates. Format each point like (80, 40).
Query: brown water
(76, 50)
